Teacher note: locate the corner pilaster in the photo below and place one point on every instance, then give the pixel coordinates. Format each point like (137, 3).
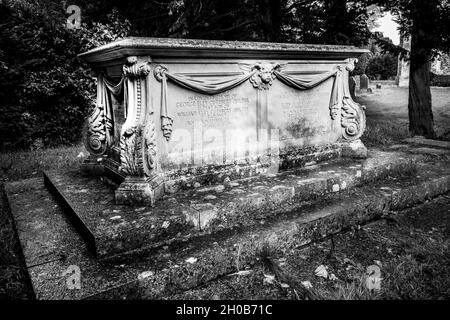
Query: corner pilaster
(138, 154)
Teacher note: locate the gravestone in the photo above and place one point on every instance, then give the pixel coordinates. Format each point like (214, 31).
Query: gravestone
(178, 114)
(364, 82)
(352, 84)
(358, 83)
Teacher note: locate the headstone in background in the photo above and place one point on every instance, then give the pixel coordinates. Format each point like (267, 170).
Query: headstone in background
(364, 82)
(352, 86)
(358, 83)
(402, 78)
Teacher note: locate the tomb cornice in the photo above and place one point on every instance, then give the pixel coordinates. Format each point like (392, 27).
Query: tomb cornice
(169, 47)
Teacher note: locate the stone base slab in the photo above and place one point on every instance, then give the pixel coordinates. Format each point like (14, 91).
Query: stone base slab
(53, 249)
(428, 142)
(138, 191)
(114, 229)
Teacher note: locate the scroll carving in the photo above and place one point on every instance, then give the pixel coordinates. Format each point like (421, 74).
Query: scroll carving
(97, 130)
(353, 118)
(99, 125)
(135, 70)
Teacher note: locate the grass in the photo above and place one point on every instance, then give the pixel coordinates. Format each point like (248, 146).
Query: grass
(411, 249)
(14, 281)
(16, 165)
(382, 134)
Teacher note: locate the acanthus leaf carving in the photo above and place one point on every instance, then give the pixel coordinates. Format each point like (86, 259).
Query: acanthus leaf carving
(131, 162)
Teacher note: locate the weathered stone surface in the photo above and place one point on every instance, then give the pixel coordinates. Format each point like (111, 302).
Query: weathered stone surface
(137, 191)
(113, 229)
(364, 85)
(429, 142)
(186, 265)
(354, 149)
(232, 110)
(430, 151)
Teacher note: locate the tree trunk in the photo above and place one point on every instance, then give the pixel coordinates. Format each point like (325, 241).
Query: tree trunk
(270, 11)
(419, 104)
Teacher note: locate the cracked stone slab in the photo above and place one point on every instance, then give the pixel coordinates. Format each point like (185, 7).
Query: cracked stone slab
(110, 229)
(182, 266)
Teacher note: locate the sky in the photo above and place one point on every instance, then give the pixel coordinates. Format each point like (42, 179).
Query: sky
(388, 27)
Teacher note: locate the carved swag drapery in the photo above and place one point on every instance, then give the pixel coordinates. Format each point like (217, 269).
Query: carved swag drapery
(261, 77)
(100, 122)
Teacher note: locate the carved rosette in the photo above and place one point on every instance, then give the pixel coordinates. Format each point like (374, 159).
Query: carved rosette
(353, 118)
(264, 75)
(159, 72)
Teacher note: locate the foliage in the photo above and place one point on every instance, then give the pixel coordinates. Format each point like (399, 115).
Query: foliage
(382, 67)
(47, 91)
(361, 65)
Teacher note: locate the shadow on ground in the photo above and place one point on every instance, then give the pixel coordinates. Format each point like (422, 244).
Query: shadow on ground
(410, 248)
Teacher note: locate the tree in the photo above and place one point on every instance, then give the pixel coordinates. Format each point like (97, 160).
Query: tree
(382, 67)
(426, 21)
(46, 89)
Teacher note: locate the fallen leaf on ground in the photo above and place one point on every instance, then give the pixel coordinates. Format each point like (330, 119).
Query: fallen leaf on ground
(241, 273)
(349, 261)
(191, 260)
(321, 271)
(269, 278)
(307, 284)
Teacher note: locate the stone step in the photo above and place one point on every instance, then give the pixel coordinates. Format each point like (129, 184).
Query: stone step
(55, 253)
(111, 229)
(418, 140)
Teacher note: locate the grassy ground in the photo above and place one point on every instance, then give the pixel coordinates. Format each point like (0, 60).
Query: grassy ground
(389, 105)
(27, 164)
(14, 281)
(410, 249)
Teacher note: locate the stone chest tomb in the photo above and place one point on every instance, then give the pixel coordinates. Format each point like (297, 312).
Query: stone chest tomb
(176, 114)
